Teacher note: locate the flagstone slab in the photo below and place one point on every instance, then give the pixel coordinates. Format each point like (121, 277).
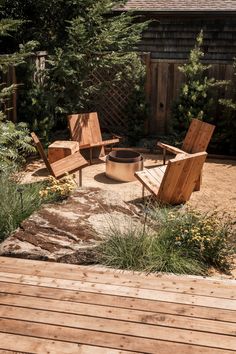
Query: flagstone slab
(71, 230)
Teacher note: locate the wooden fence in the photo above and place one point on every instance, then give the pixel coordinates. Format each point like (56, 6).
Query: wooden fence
(163, 82)
(163, 86)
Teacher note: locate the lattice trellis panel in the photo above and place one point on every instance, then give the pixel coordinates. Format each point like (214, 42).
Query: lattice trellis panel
(111, 103)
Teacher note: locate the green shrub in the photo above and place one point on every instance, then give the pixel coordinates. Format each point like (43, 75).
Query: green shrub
(15, 144)
(180, 241)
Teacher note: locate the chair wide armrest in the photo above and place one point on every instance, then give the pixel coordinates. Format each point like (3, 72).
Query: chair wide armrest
(170, 148)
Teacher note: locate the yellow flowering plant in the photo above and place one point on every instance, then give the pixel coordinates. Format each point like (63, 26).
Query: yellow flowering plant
(57, 189)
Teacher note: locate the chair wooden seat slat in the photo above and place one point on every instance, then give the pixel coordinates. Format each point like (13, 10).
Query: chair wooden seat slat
(174, 184)
(65, 165)
(85, 129)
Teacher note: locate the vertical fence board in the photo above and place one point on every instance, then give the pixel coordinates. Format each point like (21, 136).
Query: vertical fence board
(166, 81)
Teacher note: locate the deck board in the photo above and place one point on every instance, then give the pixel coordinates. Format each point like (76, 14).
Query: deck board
(49, 307)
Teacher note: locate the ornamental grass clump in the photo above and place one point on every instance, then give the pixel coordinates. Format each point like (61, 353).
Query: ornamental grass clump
(17, 201)
(173, 240)
(135, 250)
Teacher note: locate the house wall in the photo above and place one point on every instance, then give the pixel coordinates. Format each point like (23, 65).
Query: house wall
(172, 37)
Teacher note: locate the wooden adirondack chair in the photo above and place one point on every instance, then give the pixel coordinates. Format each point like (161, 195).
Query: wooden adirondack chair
(65, 165)
(85, 129)
(196, 140)
(173, 183)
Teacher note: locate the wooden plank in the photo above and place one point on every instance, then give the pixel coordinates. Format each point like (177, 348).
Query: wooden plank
(120, 291)
(30, 344)
(153, 99)
(71, 270)
(162, 84)
(95, 128)
(71, 297)
(148, 181)
(170, 148)
(167, 190)
(157, 173)
(105, 142)
(4, 351)
(203, 137)
(190, 285)
(60, 149)
(109, 312)
(141, 330)
(191, 134)
(42, 152)
(85, 131)
(69, 164)
(108, 340)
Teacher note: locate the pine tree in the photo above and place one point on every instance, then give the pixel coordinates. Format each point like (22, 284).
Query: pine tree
(194, 100)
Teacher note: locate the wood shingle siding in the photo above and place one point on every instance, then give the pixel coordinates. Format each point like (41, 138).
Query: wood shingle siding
(173, 38)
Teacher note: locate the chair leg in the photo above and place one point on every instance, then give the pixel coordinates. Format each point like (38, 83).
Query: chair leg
(143, 193)
(90, 156)
(80, 177)
(164, 156)
(198, 183)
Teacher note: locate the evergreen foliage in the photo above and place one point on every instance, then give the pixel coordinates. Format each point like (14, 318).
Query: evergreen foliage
(15, 142)
(194, 100)
(86, 38)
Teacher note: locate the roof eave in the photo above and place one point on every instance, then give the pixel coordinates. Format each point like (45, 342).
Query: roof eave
(176, 11)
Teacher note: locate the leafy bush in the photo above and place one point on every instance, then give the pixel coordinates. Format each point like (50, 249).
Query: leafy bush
(180, 241)
(15, 144)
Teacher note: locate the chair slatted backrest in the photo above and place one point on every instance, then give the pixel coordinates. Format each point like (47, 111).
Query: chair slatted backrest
(198, 136)
(41, 151)
(85, 128)
(180, 178)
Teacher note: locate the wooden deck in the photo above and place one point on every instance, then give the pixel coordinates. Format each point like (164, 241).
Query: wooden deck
(59, 308)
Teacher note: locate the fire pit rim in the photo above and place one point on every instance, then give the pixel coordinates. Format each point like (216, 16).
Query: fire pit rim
(129, 156)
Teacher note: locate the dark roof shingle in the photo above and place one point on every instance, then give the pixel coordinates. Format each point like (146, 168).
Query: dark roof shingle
(180, 5)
